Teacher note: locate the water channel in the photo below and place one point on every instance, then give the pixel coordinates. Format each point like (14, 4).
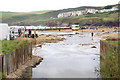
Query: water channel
(72, 58)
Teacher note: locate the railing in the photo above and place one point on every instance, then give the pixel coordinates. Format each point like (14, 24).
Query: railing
(10, 62)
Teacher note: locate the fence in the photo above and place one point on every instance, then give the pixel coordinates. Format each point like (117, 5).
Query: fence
(109, 65)
(12, 61)
(105, 47)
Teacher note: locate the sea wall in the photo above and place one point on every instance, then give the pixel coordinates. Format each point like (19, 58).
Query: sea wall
(10, 62)
(109, 60)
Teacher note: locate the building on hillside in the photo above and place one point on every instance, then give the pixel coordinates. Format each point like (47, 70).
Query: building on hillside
(79, 13)
(92, 11)
(108, 10)
(114, 8)
(86, 11)
(71, 13)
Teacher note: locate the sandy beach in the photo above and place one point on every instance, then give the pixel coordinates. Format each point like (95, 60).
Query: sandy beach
(99, 29)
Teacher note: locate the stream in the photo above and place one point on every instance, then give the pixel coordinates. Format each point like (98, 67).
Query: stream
(71, 58)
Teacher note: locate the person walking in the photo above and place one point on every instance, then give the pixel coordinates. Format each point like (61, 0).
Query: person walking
(19, 32)
(29, 32)
(92, 34)
(59, 29)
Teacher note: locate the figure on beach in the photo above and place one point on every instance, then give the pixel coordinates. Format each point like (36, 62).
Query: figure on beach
(92, 34)
(29, 33)
(19, 32)
(59, 29)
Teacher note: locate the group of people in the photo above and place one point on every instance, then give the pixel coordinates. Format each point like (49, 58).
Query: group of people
(28, 32)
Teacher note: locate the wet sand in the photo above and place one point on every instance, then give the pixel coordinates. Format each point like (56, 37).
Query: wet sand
(70, 30)
(44, 38)
(108, 36)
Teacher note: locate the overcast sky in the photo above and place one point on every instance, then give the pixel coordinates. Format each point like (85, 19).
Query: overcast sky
(38, 5)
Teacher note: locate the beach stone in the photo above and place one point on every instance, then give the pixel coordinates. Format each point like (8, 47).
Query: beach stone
(93, 47)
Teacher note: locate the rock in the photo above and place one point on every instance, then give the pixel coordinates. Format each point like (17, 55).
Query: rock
(93, 47)
(39, 45)
(76, 33)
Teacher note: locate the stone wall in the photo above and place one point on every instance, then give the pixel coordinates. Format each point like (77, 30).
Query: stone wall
(10, 62)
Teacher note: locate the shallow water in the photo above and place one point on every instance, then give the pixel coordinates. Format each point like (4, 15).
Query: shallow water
(69, 58)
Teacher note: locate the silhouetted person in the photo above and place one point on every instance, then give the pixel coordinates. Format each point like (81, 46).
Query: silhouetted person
(19, 32)
(92, 34)
(29, 32)
(59, 29)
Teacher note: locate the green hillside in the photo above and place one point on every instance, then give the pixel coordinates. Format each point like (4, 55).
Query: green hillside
(51, 17)
(8, 14)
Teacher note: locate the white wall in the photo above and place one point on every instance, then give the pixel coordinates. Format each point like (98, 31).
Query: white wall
(4, 31)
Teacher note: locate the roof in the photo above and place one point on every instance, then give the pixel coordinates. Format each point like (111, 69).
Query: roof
(115, 6)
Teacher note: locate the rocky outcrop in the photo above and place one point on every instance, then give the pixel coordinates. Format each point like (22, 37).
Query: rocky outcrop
(48, 39)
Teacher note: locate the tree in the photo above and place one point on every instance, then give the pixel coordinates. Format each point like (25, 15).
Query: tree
(107, 7)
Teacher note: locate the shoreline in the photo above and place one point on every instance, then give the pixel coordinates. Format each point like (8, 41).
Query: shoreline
(108, 36)
(67, 30)
(35, 60)
(30, 63)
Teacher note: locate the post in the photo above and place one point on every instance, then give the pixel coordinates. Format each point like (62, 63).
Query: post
(27, 33)
(34, 33)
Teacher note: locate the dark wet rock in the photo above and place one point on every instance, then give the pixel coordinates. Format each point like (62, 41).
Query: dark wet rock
(96, 70)
(76, 33)
(85, 44)
(70, 34)
(61, 35)
(93, 47)
(39, 45)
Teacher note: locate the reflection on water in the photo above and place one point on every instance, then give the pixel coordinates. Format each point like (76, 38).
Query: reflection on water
(69, 59)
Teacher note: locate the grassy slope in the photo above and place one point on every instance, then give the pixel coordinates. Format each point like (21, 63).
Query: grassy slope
(10, 46)
(8, 14)
(114, 42)
(33, 17)
(37, 18)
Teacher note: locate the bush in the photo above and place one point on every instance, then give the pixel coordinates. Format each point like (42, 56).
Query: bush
(11, 45)
(109, 66)
(107, 7)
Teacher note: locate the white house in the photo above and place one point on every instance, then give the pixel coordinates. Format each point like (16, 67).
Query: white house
(114, 8)
(4, 31)
(108, 10)
(92, 11)
(79, 13)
